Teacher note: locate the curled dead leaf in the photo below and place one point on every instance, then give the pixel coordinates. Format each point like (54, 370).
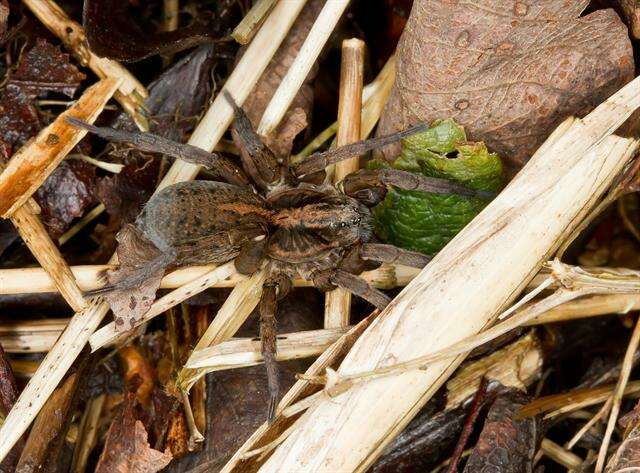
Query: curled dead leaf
(508, 71)
(127, 449)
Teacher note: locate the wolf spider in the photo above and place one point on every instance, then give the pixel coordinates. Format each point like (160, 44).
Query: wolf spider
(270, 213)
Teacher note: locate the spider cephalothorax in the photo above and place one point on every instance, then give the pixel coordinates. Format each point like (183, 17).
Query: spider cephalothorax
(268, 214)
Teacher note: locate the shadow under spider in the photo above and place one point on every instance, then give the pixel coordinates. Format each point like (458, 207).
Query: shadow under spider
(263, 212)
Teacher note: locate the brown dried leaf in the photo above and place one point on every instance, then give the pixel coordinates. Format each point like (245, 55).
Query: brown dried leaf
(508, 71)
(137, 257)
(66, 194)
(126, 448)
(297, 117)
(627, 457)
(44, 68)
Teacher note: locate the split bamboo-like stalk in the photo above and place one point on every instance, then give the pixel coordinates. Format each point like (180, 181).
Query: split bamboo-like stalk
(374, 98)
(241, 352)
(219, 329)
(207, 134)
(247, 28)
(109, 334)
(31, 337)
(88, 435)
(505, 245)
(27, 170)
(337, 304)
(35, 236)
(517, 365)
(89, 277)
(268, 432)
(30, 166)
(39, 336)
(130, 93)
(239, 84)
(374, 103)
(590, 306)
(233, 313)
(170, 15)
(302, 64)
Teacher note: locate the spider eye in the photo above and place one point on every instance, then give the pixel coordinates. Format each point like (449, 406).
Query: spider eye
(343, 224)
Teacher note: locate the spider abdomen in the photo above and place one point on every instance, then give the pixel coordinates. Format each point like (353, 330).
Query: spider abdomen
(203, 221)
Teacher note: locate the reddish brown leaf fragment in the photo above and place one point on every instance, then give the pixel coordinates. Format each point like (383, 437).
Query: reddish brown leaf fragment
(44, 68)
(66, 194)
(137, 366)
(508, 71)
(126, 448)
(43, 444)
(505, 444)
(19, 119)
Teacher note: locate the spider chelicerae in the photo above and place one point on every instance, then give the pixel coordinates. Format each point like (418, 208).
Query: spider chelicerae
(264, 212)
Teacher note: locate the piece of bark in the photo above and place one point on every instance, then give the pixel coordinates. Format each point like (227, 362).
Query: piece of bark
(126, 448)
(4, 18)
(42, 446)
(509, 72)
(298, 115)
(8, 388)
(506, 444)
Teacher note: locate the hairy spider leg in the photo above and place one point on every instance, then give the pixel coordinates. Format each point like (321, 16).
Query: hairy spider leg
(273, 289)
(361, 288)
(370, 185)
(318, 161)
(258, 159)
(149, 142)
(391, 254)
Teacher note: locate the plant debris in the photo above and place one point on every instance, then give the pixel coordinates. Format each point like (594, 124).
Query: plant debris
(43, 69)
(113, 33)
(479, 86)
(493, 68)
(127, 448)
